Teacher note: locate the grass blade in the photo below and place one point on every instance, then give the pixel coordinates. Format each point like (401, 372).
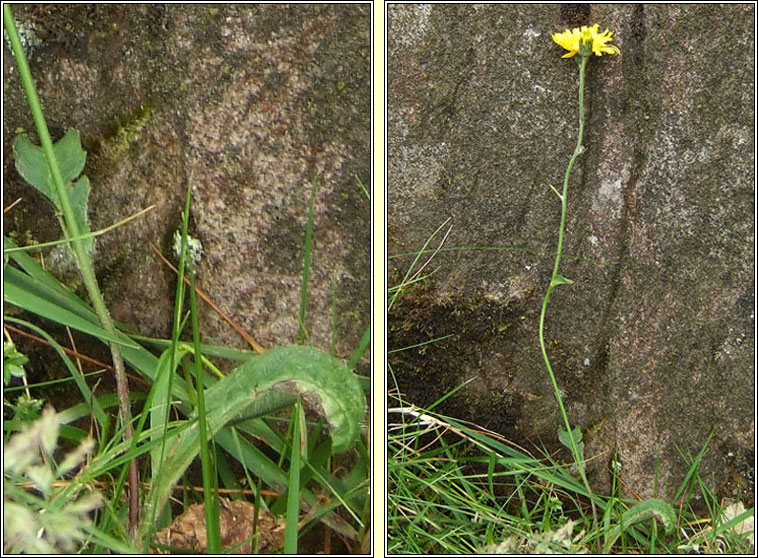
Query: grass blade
(16, 293)
(302, 334)
(92, 402)
(212, 529)
(293, 491)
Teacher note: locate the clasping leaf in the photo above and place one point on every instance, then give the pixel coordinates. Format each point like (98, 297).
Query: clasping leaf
(31, 164)
(560, 280)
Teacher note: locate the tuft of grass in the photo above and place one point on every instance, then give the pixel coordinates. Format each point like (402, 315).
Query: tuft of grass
(236, 424)
(456, 488)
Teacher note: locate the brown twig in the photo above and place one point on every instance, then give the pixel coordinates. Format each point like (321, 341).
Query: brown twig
(11, 206)
(250, 341)
(72, 353)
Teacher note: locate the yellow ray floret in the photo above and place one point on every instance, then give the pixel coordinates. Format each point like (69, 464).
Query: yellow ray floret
(571, 40)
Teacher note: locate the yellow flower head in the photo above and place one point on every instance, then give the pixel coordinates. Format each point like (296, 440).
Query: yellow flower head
(572, 39)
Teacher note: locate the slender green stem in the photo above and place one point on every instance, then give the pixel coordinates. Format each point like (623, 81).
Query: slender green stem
(577, 151)
(148, 526)
(557, 279)
(561, 230)
(72, 233)
(213, 534)
(293, 487)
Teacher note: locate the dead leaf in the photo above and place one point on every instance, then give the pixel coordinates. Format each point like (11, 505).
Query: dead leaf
(236, 524)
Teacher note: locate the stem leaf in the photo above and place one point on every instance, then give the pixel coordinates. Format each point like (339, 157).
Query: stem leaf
(560, 280)
(31, 162)
(32, 165)
(576, 433)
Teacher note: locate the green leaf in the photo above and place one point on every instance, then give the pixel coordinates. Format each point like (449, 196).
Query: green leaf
(160, 398)
(652, 508)
(560, 280)
(32, 165)
(37, 281)
(43, 279)
(255, 460)
(293, 484)
(576, 432)
(13, 362)
(16, 292)
(79, 196)
(302, 334)
(321, 379)
(262, 385)
(31, 162)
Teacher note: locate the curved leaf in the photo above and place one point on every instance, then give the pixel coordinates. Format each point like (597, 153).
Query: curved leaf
(262, 385)
(652, 508)
(318, 377)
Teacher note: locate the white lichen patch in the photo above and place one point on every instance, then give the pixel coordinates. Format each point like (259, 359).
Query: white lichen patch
(413, 21)
(27, 36)
(503, 293)
(194, 248)
(529, 33)
(612, 173)
(609, 192)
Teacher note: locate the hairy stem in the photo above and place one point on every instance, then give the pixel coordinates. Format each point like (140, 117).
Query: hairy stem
(556, 280)
(72, 233)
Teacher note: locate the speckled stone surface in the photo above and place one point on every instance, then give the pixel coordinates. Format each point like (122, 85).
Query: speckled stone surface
(251, 102)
